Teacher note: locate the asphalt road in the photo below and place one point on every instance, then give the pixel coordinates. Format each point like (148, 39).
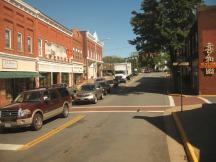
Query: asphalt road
(107, 137)
(148, 89)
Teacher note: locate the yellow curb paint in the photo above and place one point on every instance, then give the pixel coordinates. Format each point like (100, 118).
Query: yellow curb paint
(188, 147)
(51, 133)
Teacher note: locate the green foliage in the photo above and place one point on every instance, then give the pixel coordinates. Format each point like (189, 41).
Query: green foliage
(113, 59)
(163, 25)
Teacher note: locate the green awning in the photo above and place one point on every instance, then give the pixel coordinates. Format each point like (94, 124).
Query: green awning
(18, 74)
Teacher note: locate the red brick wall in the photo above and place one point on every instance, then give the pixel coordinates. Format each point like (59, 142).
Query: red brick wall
(17, 21)
(77, 43)
(206, 33)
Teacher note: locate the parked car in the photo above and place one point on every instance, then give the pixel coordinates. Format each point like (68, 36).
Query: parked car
(72, 91)
(31, 108)
(105, 86)
(89, 93)
(100, 79)
(110, 82)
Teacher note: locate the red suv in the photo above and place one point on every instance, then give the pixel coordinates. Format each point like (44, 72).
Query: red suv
(32, 107)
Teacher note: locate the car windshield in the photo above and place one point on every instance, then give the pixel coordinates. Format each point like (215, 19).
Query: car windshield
(87, 88)
(28, 97)
(120, 72)
(103, 84)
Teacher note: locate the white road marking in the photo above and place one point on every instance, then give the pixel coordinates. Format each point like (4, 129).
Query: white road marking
(171, 101)
(205, 100)
(89, 107)
(135, 111)
(11, 147)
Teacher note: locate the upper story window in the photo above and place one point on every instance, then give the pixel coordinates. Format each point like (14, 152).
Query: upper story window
(19, 42)
(8, 38)
(29, 42)
(40, 47)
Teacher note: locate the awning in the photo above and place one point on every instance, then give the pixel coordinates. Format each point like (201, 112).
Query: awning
(18, 74)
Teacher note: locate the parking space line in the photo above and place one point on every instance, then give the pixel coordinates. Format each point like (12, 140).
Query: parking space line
(127, 111)
(147, 106)
(10, 147)
(205, 100)
(51, 133)
(171, 101)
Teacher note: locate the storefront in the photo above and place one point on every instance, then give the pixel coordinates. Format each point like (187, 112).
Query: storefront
(16, 75)
(77, 73)
(199, 76)
(54, 73)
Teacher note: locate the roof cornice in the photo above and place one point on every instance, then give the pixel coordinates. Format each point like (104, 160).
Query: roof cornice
(39, 15)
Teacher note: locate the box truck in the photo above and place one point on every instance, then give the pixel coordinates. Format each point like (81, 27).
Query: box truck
(122, 71)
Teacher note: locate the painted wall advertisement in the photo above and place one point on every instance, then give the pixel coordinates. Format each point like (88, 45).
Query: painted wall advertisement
(209, 65)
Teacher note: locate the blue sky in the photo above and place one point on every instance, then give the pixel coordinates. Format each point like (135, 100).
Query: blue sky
(109, 18)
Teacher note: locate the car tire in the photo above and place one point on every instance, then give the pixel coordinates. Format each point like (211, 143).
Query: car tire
(95, 100)
(37, 122)
(65, 112)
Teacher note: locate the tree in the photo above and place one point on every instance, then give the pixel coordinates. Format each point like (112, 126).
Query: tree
(113, 59)
(163, 25)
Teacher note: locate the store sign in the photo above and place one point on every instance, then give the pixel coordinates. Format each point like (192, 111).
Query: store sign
(55, 49)
(209, 65)
(77, 69)
(9, 64)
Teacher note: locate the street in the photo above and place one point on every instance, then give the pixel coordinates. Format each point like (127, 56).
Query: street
(115, 134)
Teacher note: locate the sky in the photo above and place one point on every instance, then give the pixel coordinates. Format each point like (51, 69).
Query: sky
(109, 18)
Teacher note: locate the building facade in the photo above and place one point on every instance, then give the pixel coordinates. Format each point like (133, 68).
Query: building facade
(36, 51)
(93, 51)
(78, 56)
(200, 51)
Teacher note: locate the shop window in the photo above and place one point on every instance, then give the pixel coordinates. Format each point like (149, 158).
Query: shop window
(19, 42)
(8, 38)
(29, 42)
(40, 47)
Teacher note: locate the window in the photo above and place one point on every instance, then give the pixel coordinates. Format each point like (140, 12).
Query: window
(29, 41)
(53, 95)
(7, 38)
(63, 92)
(19, 42)
(40, 47)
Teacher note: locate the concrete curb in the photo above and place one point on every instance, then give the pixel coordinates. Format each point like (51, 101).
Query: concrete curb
(188, 147)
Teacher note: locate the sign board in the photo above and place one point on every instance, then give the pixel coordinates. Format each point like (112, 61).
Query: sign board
(209, 65)
(9, 64)
(55, 49)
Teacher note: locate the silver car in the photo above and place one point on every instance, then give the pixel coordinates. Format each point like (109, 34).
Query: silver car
(89, 93)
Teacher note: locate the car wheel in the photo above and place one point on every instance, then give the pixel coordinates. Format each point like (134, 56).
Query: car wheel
(102, 96)
(95, 100)
(65, 112)
(37, 122)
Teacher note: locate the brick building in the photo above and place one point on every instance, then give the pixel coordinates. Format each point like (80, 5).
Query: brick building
(37, 51)
(200, 51)
(93, 55)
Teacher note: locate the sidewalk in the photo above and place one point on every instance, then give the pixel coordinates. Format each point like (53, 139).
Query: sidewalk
(199, 125)
(187, 100)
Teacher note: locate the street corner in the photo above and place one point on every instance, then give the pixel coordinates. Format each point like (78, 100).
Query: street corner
(209, 99)
(198, 144)
(187, 100)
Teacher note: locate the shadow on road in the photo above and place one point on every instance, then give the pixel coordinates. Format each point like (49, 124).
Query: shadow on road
(159, 85)
(199, 125)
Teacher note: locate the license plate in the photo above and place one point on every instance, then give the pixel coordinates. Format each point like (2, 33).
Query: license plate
(7, 125)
